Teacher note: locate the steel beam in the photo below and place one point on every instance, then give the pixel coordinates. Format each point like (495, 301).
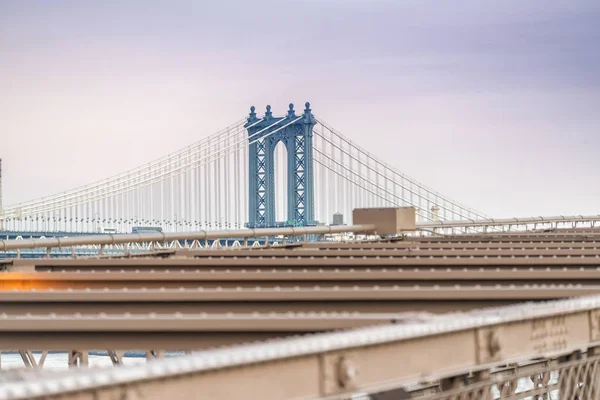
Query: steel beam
(510, 221)
(176, 331)
(304, 293)
(110, 239)
(337, 365)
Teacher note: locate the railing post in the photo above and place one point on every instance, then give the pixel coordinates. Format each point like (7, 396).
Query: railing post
(541, 380)
(483, 376)
(569, 386)
(592, 378)
(453, 382)
(78, 358)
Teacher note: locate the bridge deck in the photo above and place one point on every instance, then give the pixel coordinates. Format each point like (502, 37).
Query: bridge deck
(151, 301)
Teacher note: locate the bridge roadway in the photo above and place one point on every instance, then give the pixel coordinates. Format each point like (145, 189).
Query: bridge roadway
(211, 238)
(360, 282)
(416, 274)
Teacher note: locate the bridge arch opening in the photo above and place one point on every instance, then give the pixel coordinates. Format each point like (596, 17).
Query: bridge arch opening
(280, 162)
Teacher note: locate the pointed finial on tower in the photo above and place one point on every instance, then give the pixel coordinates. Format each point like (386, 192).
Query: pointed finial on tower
(291, 112)
(268, 114)
(252, 115)
(308, 117)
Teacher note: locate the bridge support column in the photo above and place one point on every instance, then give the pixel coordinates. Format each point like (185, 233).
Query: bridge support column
(116, 356)
(296, 133)
(29, 359)
(155, 354)
(78, 358)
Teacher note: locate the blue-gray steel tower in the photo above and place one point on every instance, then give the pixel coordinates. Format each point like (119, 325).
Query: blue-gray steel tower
(296, 133)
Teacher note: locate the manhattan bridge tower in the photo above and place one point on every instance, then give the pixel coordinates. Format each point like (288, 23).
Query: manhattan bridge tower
(296, 133)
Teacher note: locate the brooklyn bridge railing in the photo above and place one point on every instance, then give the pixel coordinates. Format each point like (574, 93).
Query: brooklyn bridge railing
(528, 351)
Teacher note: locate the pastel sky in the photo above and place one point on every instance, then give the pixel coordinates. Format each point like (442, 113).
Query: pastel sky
(493, 103)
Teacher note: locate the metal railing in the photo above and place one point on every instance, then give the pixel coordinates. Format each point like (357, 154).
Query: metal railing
(159, 237)
(493, 222)
(565, 334)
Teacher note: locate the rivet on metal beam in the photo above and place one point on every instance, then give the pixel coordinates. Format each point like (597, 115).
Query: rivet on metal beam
(346, 372)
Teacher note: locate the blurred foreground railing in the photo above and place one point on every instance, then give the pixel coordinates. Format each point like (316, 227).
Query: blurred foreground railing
(479, 355)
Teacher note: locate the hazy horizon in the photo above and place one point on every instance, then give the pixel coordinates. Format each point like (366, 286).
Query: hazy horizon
(494, 104)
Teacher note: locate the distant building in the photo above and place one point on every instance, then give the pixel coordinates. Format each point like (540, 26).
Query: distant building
(338, 219)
